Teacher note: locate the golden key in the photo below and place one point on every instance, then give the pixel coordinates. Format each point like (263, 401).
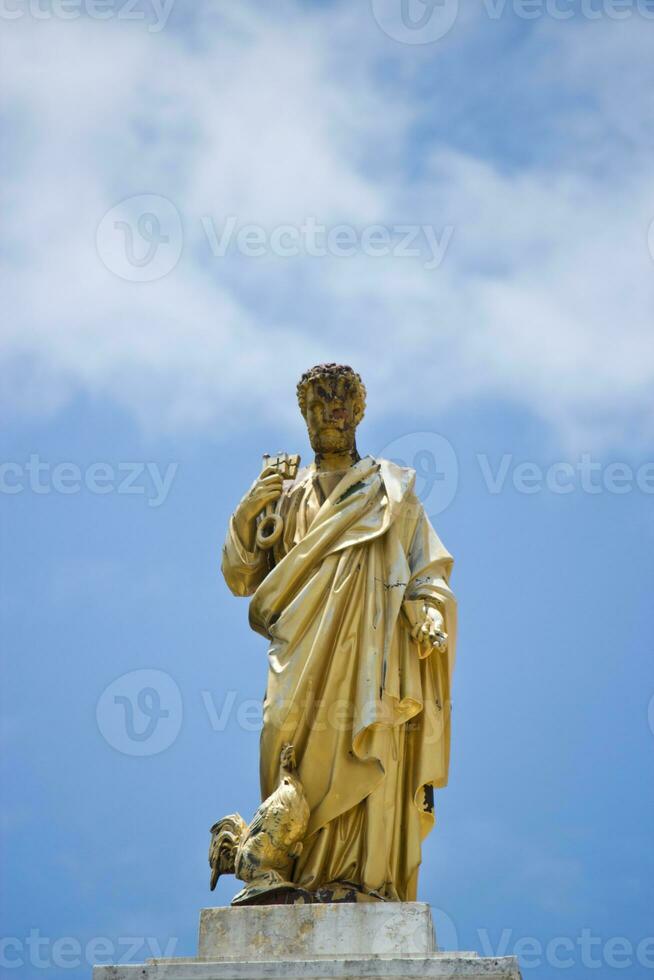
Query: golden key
(271, 525)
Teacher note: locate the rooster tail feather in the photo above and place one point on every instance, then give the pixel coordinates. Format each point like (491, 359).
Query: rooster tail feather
(226, 835)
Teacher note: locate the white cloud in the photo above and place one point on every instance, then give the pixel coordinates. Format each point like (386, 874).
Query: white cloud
(545, 293)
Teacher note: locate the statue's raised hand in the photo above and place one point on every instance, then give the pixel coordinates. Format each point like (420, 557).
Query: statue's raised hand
(266, 489)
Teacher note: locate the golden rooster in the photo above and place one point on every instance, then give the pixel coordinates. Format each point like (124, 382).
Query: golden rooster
(261, 854)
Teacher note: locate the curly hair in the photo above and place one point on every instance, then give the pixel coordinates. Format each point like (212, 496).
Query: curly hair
(331, 373)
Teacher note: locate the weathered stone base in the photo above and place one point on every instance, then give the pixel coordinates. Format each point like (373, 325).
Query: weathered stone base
(385, 941)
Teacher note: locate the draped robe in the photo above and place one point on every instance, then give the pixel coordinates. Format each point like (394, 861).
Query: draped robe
(364, 701)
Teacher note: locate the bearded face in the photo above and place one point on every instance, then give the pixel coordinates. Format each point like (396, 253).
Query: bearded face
(331, 415)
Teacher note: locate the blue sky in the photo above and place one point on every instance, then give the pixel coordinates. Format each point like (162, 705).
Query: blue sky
(150, 356)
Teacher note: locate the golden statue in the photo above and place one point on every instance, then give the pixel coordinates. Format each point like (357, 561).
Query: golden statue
(349, 584)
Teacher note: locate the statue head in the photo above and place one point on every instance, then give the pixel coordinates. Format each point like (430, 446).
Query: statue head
(332, 399)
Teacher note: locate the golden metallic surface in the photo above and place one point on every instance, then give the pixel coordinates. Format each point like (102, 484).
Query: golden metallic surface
(261, 854)
(271, 526)
(354, 600)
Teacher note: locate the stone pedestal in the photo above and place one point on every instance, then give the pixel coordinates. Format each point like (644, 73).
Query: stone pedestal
(375, 941)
